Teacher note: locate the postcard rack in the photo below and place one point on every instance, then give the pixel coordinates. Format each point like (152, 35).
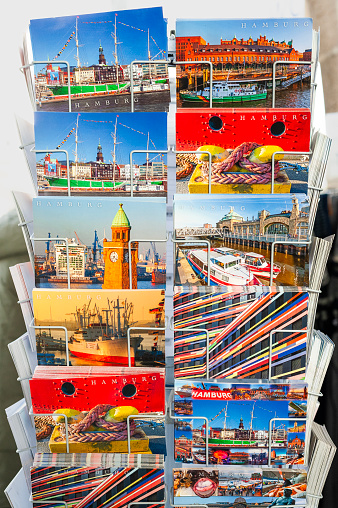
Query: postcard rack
(317, 156)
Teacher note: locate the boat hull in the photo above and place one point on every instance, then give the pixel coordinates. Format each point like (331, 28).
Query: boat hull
(113, 352)
(263, 274)
(214, 281)
(221, 100)
(158, 277)
(147, 101)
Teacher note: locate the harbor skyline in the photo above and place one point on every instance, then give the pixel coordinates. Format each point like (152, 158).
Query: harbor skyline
(85, 215)
(50, 35)
(51, 129)
(192, 211)
(215, 29)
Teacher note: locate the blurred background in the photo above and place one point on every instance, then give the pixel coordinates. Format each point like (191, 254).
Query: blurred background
(14, 175)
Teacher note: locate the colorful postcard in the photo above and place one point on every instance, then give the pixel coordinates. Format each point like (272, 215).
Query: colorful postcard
(112, 243)
(242, 231)
(99, 49)
(99, 148)
(242, 53)
(239, 423)
(241, 144)
(253, 332)
(256, 486)
(94, 410)
(98, 326)
(83, 486)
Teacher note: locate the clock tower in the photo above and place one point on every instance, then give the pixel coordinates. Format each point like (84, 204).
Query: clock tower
(115, 254)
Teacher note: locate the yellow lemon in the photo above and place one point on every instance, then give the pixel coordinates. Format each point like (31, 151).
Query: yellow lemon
(73, 416)
(218, 153)
(120, 413)
(263, 154)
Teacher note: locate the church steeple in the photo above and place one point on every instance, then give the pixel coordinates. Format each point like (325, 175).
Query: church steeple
(99, 156)
(102, 59)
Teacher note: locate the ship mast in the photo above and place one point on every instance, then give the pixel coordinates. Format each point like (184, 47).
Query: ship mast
(76, 143)
(77, 50)
(118, 316)
(147, 166)
(115, 54)
(225, 419)
(252, 417)
(114, 136)
(149, 56)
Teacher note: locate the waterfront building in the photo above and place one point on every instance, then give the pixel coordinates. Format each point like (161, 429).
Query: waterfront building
(292, 222)
(155, 70)
(235, 53)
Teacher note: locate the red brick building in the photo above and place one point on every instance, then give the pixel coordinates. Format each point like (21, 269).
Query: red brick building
(235, 52)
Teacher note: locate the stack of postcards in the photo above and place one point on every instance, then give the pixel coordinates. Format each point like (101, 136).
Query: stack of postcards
(170, 357)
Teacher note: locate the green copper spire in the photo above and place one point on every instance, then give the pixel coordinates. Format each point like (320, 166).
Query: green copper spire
(120, 219)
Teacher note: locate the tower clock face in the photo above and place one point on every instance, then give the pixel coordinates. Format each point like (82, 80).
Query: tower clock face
(113, 256)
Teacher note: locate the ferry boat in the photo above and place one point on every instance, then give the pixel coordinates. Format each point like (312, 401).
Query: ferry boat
(46, 342)
(104, 339)
(199, 458)
(159, 276)
(225, 269)
(256, 263)
(225, 91)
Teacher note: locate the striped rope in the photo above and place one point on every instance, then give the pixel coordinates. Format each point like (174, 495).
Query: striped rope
(259, 173)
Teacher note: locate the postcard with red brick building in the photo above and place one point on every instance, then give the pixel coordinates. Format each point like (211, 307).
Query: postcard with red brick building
(242, 53)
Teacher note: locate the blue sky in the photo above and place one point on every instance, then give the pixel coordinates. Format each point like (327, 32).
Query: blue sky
(49, 35)
(213, 30)
(62, 216)
(191, 211)
(132, 132)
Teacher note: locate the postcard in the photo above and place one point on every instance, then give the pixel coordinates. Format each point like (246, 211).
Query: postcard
(112, 243)
(94, 409)
(99, 49)
(99, 148)
(253, 332)
(244, 234)
(83, 486)
(96, 327)
(256, 486)
(242, 53)
(240, 423)
(241, 144)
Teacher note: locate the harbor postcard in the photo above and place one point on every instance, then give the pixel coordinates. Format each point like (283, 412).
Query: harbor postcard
(99, 49)
(242, 53)
(98, 148)
(108, 242)
(242, 231)
(239, 424)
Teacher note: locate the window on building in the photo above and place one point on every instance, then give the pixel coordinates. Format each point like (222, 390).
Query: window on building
(277, 229)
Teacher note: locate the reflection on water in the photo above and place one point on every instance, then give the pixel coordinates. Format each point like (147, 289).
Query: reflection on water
(147, 343)
(295, 96)
(294, 269)
(149, 103)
